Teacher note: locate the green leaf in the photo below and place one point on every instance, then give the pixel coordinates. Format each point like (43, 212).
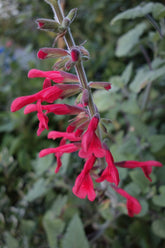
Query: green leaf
(158, 11)
(117, 83)
(75, 236)
(133, 189)
(104, 100)
(143, 77)
(10, 241)
(28, 227)
(140, 128)
(41, 165)
(138, 177)
(123, 173)
(53, 228)
(157, 142)
(133, 13)
(145, 207)
(39, 189)
(130, 106)
(65, 162)
(127, 41)
(159, 200)
(126, 75)
(158, 227)
(59, 203)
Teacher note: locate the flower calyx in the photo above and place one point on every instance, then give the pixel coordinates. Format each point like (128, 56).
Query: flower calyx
(48, 25)
(69, 18)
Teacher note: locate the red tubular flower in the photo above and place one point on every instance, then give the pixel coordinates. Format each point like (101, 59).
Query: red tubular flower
(43, 119)
(70, 136)
(145, 166)
(58, 109)
(90, 142)
(59, 151)
(133, 205)
(56, 76)
(59, 155)
(47, 83)
(43, 123)
(68, 148)
(84, 185)
(48, 94)
(110, 173)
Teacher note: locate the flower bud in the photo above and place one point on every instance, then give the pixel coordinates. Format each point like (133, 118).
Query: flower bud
(48, 25)
(60, 63)
(84, 52)
(72, 15)
(69, 64)
(75, 54)
(100, 85)
(45, 53)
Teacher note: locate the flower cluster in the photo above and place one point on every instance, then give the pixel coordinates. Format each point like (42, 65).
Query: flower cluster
(83, 132)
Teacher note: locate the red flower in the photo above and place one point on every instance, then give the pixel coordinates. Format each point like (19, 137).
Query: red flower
(47, 83)
(110, 173)
(145, 166)
(56, 76)
(68, 148)
(90, 142)
(43, 119)
(84, 185)
(43, 123)
(58, 109)
(70, 136)
(49, 94)
(133, 206)
(58, 156)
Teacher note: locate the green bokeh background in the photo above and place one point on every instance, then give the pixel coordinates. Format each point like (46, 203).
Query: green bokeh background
(37, 207)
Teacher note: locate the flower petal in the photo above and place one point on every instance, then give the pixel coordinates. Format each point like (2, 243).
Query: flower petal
(146, 166)
(133, 205)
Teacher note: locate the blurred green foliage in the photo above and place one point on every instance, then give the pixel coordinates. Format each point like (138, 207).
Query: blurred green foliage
(37, 208)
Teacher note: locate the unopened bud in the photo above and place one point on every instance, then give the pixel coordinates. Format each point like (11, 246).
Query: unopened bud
(69, 64)
(60, 64)
(84, 52)
(48, 25)
(45, 53)
(72, 15)
(100, 85)
(75, 54)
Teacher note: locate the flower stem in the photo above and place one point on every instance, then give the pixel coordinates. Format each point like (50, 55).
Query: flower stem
(79, 68)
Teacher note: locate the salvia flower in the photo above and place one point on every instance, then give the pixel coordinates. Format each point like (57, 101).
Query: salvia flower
(83, 134)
